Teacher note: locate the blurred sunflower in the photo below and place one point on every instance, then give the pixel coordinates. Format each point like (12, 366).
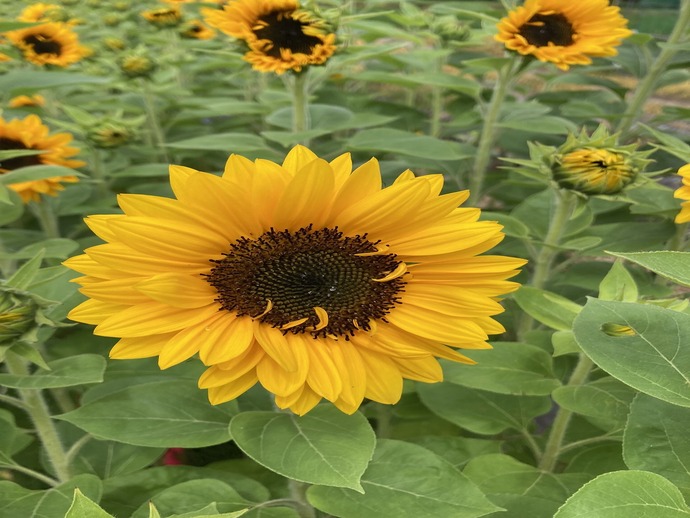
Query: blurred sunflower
(195, 29)
(163, 16)
(48, 44)
(280, 36)
(27, 100)
(40, 12)
(683, 193)
(308, 278)
(31, 133)
(564, 33)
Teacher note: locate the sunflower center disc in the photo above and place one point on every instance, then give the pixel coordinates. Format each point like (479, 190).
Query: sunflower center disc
(43, 45)
(11, 164)
(544, 29)
(300, 270)
(284, 32)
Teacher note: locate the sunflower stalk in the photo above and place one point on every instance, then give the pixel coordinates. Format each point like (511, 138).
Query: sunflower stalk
(301, 119)
(37, 409)
(437, 101)
(98, 173)
(489, 130)
(647, 85)
(298, 495)
(153, 122)
(47, 219)
(554, 444)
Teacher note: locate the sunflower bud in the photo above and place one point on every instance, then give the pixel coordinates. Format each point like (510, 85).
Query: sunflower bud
(194, 29)
(110, 134)
(164, 16)
(21, 313)
(112, 20)
(137, 65)
(450, 29)
(114, 43)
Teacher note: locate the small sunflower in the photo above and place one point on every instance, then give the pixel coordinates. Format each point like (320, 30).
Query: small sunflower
(27, 100)
(164, 16)
(40, 12)
(280, 36)
(48, 44)
(195, 29)
(683, 193)
(564, 33)
(306, 277)
(595, 171)
(31, 133)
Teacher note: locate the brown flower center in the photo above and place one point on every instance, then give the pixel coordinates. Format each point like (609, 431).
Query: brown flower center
(282, 276)
(285, 32)
(43, 44)
(548, 29)
(10, 164)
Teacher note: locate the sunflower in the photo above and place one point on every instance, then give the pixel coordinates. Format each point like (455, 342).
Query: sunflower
(564, 33)
(31, 133)
(40, 12)
(48, 44)
(195, 29)
(164, 16)
(308, 278)
(280, 36)
(683, 193)
(595, 171)
(19, 101)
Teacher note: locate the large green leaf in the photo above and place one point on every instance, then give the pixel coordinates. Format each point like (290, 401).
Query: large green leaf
(170, 413)
(480, 411)
(406, 143)
(37, 80)
(626, 494)
(83, 507)
(508, 368)
(36, 172)
(653, 359)
(227, 142)
(109, 459)
(65, 372)
(672, 265)
(549, 308)
(324, 447)
(17, 501)
(404, 480)
(656, 440)
(522, 490)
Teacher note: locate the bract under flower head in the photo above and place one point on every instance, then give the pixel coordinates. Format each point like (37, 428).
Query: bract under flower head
(564, 33)
(280, 36)
(307, 277)
(48, 44)
(31, 134)
(683, 192)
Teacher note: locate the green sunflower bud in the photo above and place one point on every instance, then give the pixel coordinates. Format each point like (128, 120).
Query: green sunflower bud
(137, 65)
(114, 43)
(112, 20)
(110, 135)
(450, 29)
(20, 315)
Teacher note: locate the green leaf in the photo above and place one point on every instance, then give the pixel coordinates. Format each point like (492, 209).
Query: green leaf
(618, 285)
(170, 413)
(17, 501)
(653, 360)
(672, 265)
(36, 172)
(547, 124)
(324, 447)
(37, 80)
(656, 440)
(12, 438)
(55, 248)
(194, 495)
(108, 459)
(522, 490)
(6, 154)
(458, 450)
(564, 342)
(65, 372)
(405, 481)
(479, 411)
(549, 308)
(22, 278)
(626, 494)
(83, 507)
(509, 368)
(606, 401)
(405, 143)
(226, 142)
(30, 354)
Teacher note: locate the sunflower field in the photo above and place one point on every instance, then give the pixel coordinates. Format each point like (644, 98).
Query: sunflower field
(353, 259)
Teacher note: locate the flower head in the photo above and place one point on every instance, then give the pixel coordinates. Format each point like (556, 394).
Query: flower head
(564, 33)
(27, 100)
(48, 44)
(195, 29)
(683, 192)
(279, 35)
(31, 134)
(40, 12)
(307, 277)
(164, 16)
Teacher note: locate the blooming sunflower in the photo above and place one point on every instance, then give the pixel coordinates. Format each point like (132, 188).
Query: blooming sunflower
(308, 278)
(564, 33)
(40, 12)
(31, 133)
(48, 44)
(27, 100)
(683, 192)
(195, 29)
(280, 36)
(164, 16)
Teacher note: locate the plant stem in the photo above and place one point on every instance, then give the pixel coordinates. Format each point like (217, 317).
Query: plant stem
(488, 133)
(38, 411)
(43, 210)
(154, 124)
(562, 208)
(384, 416)
(34, 474)
(300, 104)
(98, 173)
(677, 242)
(553, 448)
(647, 85)
(437, 100)
(298, 495)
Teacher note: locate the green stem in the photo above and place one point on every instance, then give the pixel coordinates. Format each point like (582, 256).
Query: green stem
(34, 474)
(562, 208)
(98, 173)
(678, 241)
(553, 448)
(384, 417)
(648, 84)
(437, 101)
(298, 495)
(38, 411)
(532, 443)
(154, 124)
(588, 441)
(300, 104)
(45, 214)
(488, 133)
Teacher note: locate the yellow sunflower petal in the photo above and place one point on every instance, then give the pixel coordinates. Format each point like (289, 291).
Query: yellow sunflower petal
(300, 402)
(232, 389)
(277, 380)
(178, 290)
(140, 347)
(384, 381)
(226, 338)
